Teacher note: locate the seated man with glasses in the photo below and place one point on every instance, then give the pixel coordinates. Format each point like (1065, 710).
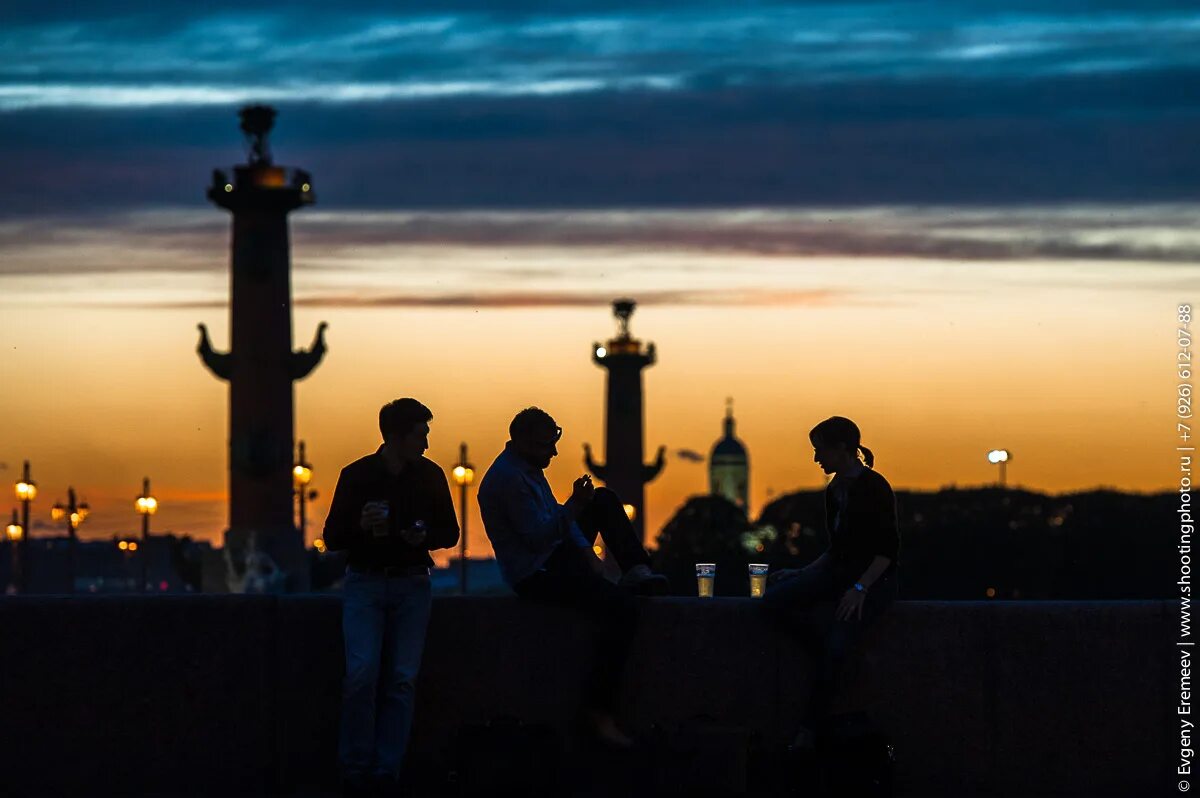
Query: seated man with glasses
(544, 550)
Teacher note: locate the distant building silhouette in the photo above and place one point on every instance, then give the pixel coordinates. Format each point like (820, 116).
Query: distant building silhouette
(729, 466)
(623, 357)
(173, 564)
(261, 366)
(484, 578)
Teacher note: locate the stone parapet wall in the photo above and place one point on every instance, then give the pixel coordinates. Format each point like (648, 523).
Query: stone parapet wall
(226, 695)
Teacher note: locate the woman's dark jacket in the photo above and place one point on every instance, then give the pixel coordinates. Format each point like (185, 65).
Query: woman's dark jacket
(867, 527)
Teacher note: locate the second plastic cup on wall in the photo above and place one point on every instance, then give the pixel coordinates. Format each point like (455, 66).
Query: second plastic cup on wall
(758, 579)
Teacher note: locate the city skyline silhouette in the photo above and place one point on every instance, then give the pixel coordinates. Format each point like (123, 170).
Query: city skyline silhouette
(891, 228)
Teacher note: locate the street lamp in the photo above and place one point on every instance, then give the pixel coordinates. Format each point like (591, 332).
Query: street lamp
(26, 491)
(147, 506)
(74, 514)
(302, 473)
(464, 475)
(1000, 457)
(15, 533)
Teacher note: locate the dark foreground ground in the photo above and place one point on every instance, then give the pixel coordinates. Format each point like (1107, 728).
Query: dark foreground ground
(239, 695)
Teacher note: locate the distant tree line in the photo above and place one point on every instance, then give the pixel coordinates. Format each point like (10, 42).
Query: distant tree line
(954, 544)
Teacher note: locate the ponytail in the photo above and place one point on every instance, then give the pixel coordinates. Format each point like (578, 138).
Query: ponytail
(837, 429)
(868, 457)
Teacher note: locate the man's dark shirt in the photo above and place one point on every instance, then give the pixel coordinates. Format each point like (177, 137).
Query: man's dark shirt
(420, 492)
(865, 526)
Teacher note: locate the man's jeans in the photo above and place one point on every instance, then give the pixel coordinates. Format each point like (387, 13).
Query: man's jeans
(807, 604)
(383, 623)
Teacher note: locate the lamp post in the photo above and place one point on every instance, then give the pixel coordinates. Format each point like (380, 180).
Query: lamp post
(464, 475)
(26, 491)
(147, 506)
(15, 534)
(302, 473)
(74, 514)
(1001, 458)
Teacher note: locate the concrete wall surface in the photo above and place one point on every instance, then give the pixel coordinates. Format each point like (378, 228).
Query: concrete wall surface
(229, 695)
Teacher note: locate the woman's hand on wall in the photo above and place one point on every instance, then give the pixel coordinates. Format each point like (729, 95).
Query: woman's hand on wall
(851, 605)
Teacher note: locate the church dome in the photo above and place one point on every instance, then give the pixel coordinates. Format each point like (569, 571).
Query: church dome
(729, 466)
(729, 448)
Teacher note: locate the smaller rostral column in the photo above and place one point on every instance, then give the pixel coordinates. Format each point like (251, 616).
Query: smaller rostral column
(263, 545)
(624, 358)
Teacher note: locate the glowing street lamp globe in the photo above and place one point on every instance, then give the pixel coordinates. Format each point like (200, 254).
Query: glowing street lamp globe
(301, 474)
(463, 475)
(26, 491)
(147, 505)
(1000, 457)
(14, 530)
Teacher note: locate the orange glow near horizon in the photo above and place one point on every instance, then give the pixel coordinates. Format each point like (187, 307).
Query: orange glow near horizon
(1070, 367)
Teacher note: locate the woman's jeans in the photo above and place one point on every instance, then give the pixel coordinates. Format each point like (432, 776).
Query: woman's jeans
(807, 605)
(383, 622)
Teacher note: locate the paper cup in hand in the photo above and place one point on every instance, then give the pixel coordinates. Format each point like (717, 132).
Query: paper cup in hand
(380, 528)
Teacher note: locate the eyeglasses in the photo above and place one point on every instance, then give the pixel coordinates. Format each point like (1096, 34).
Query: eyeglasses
(554, 440)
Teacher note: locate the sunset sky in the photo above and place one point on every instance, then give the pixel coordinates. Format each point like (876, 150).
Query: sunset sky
(965, 227)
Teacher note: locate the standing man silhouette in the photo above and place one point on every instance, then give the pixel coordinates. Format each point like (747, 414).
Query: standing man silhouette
(388, 510)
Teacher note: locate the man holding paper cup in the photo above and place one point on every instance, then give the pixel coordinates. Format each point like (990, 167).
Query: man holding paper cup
(388, 510)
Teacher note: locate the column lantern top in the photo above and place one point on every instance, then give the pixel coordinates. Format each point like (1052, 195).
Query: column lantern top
(624, 343)
(259, 183)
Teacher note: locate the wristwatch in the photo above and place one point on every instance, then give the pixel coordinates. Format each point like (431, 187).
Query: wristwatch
(858, 586)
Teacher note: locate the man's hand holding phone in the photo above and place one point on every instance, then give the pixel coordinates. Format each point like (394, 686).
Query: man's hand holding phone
(415, 534)
(581, 494)
(583, 490)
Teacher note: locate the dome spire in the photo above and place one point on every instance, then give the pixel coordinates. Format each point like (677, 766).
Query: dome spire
(729, 464)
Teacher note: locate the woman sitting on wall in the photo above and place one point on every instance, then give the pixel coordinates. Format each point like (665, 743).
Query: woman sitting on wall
(858, 571)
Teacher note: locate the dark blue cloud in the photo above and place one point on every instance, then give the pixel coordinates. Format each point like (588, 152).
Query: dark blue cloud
(221, 54)
(586, 104)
